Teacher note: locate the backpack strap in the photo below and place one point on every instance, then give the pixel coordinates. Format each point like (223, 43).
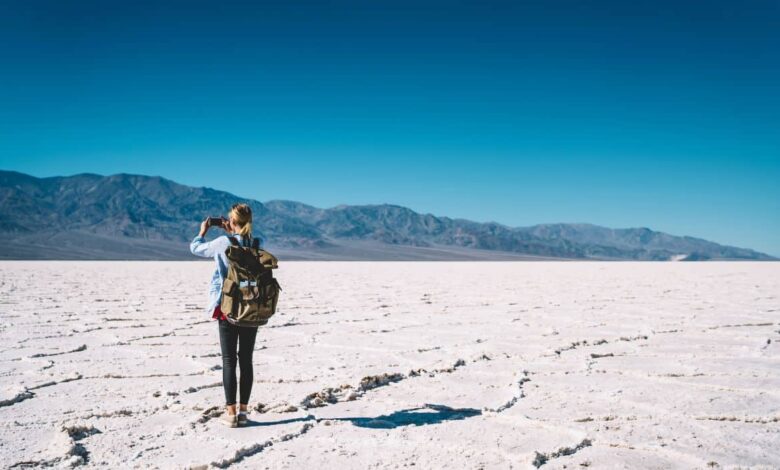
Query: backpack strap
(245, 241)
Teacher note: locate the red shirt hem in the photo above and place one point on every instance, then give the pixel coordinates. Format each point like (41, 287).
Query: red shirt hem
(218, 315)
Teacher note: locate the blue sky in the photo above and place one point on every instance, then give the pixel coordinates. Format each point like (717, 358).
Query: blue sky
(657, 114)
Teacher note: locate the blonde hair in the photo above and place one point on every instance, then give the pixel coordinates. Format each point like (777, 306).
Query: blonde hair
(242, 214)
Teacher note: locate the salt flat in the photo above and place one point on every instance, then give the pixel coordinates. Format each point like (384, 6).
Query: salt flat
(387, 365)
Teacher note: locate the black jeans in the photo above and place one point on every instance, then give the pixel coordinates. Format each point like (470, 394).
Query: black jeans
(229, 338)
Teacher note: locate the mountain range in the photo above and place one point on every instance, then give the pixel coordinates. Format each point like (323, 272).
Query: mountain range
(89, 216)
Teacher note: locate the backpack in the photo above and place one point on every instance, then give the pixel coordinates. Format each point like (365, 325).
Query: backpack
(249, 291)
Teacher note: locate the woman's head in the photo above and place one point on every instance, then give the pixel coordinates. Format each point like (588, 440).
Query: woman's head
(241, 219)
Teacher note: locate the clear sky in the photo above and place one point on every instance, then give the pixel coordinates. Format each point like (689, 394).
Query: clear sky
(663, 114)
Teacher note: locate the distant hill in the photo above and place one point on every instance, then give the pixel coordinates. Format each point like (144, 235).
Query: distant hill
(124, 216)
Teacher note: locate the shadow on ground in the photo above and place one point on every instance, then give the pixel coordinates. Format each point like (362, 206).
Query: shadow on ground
(420, 416)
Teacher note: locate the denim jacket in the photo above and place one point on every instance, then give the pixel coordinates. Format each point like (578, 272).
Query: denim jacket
(215, 249)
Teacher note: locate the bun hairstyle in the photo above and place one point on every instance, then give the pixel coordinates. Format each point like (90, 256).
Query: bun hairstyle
(242, 215)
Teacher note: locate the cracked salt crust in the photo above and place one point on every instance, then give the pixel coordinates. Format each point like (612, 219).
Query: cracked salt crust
(440, 365)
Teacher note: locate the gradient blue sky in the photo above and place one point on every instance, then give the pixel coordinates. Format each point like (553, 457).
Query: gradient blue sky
(619, 113)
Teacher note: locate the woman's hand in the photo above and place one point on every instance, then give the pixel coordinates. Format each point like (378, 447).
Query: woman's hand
(204, 227)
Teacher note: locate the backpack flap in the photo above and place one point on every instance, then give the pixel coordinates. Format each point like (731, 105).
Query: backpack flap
(245, 259)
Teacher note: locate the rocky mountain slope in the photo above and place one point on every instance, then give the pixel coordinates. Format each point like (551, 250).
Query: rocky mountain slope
(125, 216)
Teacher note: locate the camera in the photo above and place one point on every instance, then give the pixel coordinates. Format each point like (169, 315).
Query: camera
(216, 222)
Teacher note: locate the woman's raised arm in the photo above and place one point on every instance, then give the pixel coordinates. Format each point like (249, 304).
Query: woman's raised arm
(200, 247)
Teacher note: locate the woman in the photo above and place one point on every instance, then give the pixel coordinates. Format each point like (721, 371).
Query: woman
(239, 224)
